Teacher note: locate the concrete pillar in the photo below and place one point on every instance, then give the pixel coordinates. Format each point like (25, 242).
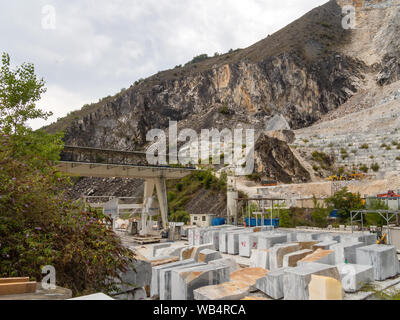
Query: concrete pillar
(162, 200)
(148, 193)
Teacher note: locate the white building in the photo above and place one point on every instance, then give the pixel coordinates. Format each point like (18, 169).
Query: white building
(202, 220)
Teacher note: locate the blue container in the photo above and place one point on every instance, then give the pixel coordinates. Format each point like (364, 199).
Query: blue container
(257, 222)
(334, 214)
(218, 221)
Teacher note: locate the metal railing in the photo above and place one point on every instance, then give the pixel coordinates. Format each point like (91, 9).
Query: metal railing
(111, 157)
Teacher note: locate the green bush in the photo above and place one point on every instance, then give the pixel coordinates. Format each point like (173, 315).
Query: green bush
(364, 146)
(375, 167)
(39, 227)
(180, 216)
(344, 201)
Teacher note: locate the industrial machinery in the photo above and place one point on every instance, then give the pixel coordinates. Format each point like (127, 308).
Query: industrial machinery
(389, 194)
(269, 183)
(348, 177)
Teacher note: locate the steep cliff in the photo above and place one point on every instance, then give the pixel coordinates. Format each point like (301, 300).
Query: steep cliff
(302, 72)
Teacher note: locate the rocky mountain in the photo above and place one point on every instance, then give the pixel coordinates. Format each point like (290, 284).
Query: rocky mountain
(303, 72)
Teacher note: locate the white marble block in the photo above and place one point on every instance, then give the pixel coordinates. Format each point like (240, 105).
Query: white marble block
(382, 257)
(355, 276)
(296, 280)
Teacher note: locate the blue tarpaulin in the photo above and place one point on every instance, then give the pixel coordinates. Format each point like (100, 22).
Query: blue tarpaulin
(257, 222)
(218, 221)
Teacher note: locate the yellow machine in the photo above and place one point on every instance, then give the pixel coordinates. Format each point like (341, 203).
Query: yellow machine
(383, 239)
(336, 178)
(348, 177)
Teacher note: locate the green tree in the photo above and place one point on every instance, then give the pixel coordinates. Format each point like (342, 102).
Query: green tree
(20, 90)
(38, 226)
(319, 215)
(345, 201)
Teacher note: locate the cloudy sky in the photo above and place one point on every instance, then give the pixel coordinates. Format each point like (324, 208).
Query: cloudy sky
(89, 49)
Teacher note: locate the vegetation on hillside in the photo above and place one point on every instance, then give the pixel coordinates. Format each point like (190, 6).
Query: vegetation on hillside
(181, 192)
(38, 227)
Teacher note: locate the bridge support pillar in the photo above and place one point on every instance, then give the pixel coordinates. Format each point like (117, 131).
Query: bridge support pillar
(161, 189)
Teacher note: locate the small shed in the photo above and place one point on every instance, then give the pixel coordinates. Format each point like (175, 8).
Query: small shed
(202, 220)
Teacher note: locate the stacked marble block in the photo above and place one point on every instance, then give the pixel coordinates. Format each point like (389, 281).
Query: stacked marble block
(352, 259)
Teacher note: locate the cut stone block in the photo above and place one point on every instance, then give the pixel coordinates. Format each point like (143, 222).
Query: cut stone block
(193, 252)
(92, 297)
(249, 241)
(160, 260)
(277, 253)
(208, 255)
(319, 256)
(367, 239)
(173, 251)
(296, 280)
(305, 236)
(355, 276)
(226, 262)
(185, 281)
(259, 258)
(268, 241)
(137, 275)
(233, 241)
(382, 257)
(307, 244)
(159, 246)
(249, 275)
(346, 252)
(191, 233)
(272, 283)
(325, 245)
(166, 279)
(199, 236)
(327, 237)
(223, 239)
(234, 290)
(325, 288)
(291, 259)
(155, 276)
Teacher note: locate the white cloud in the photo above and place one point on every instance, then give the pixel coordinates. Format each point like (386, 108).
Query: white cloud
(101, 46)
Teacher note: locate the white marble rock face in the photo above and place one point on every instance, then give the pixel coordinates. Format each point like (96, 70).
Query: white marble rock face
(296, 280)
(185, 281)
(354, 276)
(272, 283)
(382, 257)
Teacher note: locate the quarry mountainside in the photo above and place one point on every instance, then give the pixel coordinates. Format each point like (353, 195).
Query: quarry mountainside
(303, 72)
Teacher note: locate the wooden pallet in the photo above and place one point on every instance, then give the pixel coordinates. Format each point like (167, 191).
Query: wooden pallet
(9, 286)
(147, 240)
